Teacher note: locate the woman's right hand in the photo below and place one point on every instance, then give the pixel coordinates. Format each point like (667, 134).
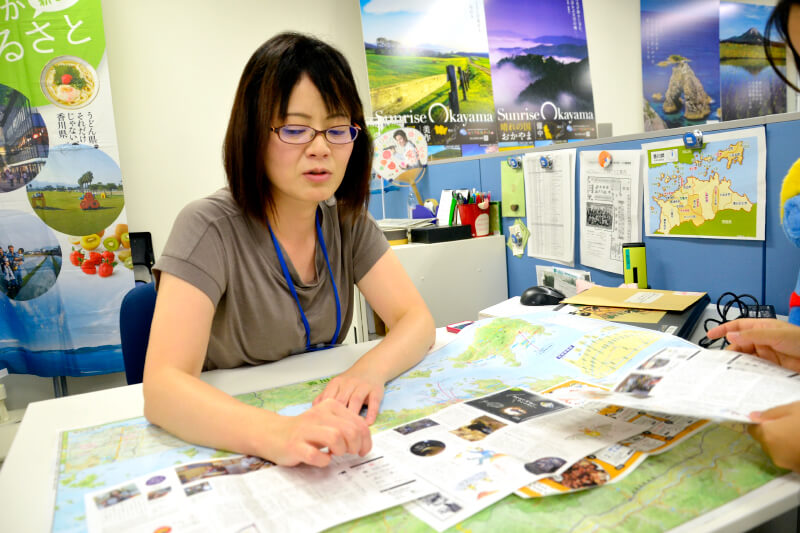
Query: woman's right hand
(768, 338)
(778, 432)
(329, 424)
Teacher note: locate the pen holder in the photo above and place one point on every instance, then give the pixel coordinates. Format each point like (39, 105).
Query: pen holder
(477, 218)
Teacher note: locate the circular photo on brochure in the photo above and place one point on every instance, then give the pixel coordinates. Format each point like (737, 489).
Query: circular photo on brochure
(427, 448)
(69, 82)
(545, 465)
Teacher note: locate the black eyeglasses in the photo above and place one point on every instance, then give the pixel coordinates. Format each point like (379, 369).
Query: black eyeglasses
(296, 134)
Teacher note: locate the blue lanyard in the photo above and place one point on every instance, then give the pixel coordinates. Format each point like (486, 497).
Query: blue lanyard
(290, 283)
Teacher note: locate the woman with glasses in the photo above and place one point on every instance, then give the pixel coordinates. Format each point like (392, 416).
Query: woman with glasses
(265, 267)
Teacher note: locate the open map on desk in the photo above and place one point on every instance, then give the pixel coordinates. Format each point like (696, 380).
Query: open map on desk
(536, 351)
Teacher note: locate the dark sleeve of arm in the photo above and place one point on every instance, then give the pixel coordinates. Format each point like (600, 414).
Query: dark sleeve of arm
(195, 251)
(369, 245)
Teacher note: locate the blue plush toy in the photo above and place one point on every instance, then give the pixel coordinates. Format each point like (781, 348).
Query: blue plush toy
(790, 218)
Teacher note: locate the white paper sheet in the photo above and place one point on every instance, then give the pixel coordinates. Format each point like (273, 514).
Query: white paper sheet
(561, 279)
(610, 208)
(550, 205)
(709, 384)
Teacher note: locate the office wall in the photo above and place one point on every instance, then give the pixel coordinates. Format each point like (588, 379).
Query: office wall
(766, 269)
(174, 69)
(613, 36)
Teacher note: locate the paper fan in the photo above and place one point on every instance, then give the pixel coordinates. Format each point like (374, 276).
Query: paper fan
(401, 157)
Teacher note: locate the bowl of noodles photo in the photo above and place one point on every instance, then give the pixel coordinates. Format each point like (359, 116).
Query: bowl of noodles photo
(69, 82)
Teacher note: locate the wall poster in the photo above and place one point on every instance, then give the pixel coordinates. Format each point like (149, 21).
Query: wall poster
(498, 74)
(64, 244)
(680, 62)
(540, 68)
(750, 88)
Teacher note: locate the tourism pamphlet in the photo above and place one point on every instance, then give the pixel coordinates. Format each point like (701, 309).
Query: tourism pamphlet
(612, 464)
(248, 494)
(713, 384)
(479, 451)
(468, 455)
(680, 323)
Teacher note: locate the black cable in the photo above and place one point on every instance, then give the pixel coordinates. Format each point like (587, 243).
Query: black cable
(722, 310)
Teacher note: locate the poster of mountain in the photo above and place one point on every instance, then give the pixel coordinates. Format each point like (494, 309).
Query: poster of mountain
(540, 68)
(749, 86)
(65, 257)
(680, 62)
(428, 67)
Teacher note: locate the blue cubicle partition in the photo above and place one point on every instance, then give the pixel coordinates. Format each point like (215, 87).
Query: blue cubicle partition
(767, 269)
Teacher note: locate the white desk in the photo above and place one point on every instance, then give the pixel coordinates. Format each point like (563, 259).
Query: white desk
(27, 491)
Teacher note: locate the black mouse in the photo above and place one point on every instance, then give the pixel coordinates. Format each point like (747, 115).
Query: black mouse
(540, 295)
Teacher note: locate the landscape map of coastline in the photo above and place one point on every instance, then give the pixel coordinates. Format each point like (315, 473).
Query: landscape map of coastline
(675, 470)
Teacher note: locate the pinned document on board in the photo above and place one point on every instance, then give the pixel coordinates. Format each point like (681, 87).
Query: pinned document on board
(610, 207)
(512, 188)
(550, 205)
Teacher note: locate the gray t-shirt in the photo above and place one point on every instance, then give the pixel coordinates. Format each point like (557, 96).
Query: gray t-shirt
(231, 258)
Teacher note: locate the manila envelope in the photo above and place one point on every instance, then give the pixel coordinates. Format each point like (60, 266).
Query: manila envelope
(635, 298)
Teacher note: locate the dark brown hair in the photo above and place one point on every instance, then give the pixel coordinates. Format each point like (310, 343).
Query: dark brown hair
(263, 94)
(779, 21)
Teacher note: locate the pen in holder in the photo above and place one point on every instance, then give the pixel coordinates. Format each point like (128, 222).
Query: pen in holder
(477, 216)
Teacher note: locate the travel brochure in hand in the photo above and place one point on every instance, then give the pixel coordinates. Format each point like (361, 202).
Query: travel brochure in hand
(714, 384)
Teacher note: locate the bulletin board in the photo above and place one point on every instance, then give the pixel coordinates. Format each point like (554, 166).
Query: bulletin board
(766, 269)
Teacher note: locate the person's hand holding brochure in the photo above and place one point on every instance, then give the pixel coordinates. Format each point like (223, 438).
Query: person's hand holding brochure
(768, 338)
(777, 429)
(714, 384)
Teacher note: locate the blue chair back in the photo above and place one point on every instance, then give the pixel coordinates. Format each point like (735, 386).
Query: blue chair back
(135, 316)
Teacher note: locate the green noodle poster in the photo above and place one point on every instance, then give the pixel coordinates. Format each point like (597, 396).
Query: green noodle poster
(65, 258)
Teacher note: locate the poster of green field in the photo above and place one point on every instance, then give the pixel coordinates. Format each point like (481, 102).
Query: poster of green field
(430, 75)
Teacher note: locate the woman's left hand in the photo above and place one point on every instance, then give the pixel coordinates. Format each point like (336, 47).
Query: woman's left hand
(355, 391)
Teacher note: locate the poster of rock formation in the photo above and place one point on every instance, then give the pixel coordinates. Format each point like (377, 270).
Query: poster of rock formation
(680, 62)
(540, 68)
(428, 67)
(749, 86)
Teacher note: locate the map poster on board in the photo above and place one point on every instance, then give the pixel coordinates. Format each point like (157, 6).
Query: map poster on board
(680, 62)
(717, 192)
(540, 68)
(428, 67)
(749, 86)
(64, 244)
